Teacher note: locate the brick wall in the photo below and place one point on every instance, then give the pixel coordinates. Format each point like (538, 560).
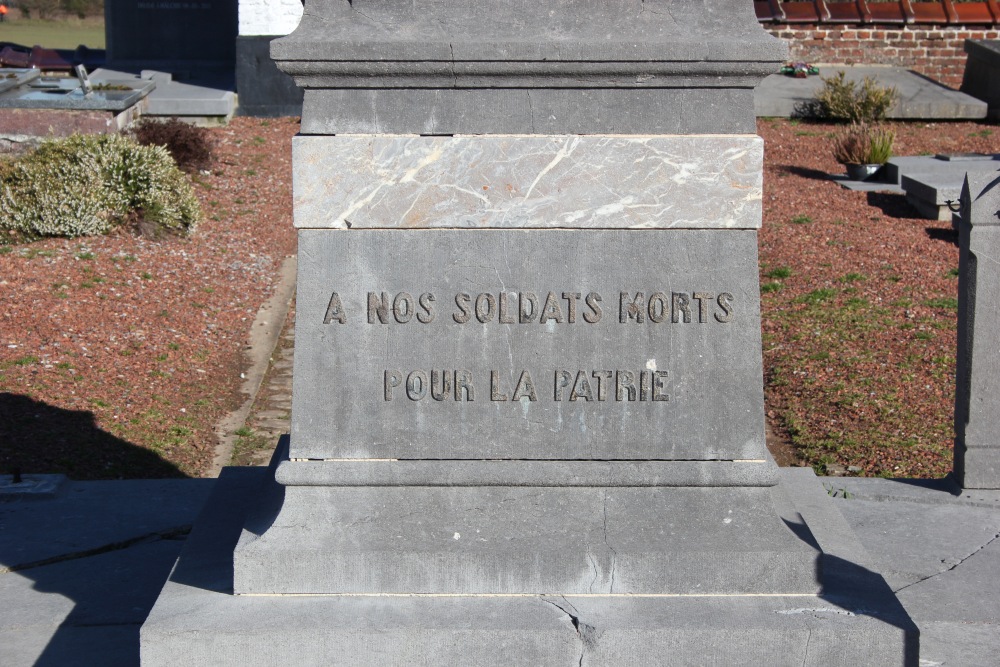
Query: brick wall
(934, 51)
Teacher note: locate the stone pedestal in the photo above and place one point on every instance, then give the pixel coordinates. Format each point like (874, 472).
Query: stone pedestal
(977, 386)
(527, 422)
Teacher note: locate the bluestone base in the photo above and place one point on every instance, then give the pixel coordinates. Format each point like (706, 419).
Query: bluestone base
(197, 620)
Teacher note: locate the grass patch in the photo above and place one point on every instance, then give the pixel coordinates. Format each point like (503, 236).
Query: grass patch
(63, 34)
(800, 220)
(944, 303)
(779, 273)
(817, 296)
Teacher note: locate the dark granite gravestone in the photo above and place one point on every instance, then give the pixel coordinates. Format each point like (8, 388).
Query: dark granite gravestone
(165, 33)
(527, 421)
(977, 445)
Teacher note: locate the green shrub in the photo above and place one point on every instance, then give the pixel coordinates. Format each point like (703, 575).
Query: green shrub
(90, 184)
(191, 147)
(840, 99)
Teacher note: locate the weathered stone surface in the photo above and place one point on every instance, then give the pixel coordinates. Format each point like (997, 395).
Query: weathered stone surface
(525, 473)
(197, 621)
(495, 67)
(263, 89)
(503, 540)
(977, 390)
(523, 111)
(553, 387)
(682, 182)
(718, 37)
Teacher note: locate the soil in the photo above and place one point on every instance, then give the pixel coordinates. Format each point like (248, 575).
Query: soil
(118, 355)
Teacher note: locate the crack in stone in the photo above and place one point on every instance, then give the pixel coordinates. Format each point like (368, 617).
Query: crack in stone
(586, 632)
(614, 554)
(920, 581)
(148, 538)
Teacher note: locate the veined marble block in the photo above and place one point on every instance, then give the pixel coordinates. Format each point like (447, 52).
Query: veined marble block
(584, 182)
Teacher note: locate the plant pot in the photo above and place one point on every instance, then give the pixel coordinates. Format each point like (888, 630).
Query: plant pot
(863, 172)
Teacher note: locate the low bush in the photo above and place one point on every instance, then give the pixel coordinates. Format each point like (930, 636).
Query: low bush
(90, 184)
(191, 147)
(842, 100)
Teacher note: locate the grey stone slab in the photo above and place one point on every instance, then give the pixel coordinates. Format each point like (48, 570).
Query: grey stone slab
(65, 93)
(981, 77)
(93, 516)
(707, 403)
(524, 111)
(977, 449)
(526, 473)
(503, 540)
(192, 98)
(196, 621)
(11, 77)
(436, 38)
(263, 89)
(915, 542)
(605, 182)
(30, 487)
(82, 610)
(957, 644)
(920, 98)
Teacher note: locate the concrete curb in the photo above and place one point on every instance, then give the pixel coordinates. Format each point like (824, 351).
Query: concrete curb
(264, 334)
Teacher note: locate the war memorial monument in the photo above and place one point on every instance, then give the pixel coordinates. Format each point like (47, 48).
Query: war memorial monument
(527, 422)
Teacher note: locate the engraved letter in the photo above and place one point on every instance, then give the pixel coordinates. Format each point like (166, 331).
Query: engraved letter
(528, 303)
(592, 300)
(625, 386)
(645, 380)
(581, 388)
(703, 299)
(681, 304)
(495, 394)
(551, 310)
(440, 385)
(381, 308)
(571, 298)
(463, 383)
(631, 309)
(462, 301)
(561, 381)
(658, 307)
(402, 307)
(486, 306)
(392, 379)
(603, 380)
(725, 302)
(506, 317)
(426, 299)
(416, 385)
(335, 311)
(525, 388)
(659, 384)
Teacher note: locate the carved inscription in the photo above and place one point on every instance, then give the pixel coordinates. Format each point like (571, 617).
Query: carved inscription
(551, 308)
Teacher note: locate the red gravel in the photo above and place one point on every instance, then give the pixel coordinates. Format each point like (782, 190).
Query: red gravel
(118, 355)
(859, 341)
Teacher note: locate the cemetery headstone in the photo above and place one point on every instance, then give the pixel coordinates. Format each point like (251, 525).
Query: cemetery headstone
(527, 421)
(169, 35)
(265, 90)
(977, 386)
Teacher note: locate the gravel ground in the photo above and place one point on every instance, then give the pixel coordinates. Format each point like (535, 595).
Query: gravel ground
(118, 355)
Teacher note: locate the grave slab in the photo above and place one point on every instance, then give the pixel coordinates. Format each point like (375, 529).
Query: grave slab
(920, 98)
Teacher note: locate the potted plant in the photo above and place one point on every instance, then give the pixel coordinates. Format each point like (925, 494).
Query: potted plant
(864, 149)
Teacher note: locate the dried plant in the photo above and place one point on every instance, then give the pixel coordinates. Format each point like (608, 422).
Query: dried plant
(841, 100)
